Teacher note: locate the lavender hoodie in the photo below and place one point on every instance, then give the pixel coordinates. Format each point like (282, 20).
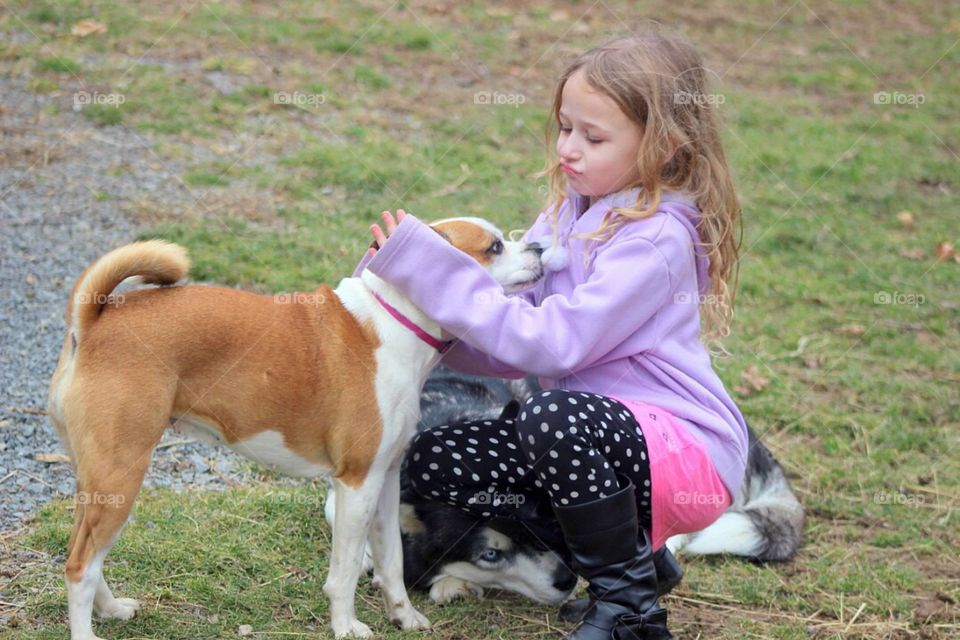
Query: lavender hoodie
(626, 324)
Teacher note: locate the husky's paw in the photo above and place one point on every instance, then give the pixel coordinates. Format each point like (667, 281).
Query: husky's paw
(449, 588)
(119, 609)
(409, 619)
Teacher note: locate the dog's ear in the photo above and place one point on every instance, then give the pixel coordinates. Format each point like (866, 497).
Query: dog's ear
(443, 235)
(510, 411)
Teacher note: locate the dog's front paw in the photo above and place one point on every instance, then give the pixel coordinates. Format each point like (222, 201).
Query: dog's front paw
(119, 609)
(354, 628)
(449, 588)
(410, 619)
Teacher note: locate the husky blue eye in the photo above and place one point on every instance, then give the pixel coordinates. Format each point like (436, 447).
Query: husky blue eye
(491, 555)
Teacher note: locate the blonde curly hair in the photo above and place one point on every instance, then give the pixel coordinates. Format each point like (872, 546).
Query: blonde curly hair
(660, 83)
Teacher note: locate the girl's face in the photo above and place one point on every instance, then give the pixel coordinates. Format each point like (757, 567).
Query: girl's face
(598, 144)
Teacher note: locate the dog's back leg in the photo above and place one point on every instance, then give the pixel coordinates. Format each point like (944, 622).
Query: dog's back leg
(109, 477)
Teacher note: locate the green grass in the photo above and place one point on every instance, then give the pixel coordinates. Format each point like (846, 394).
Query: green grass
(843, 308)
(58, 65)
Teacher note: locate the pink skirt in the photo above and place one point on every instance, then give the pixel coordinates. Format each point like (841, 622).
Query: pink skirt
(688, 494)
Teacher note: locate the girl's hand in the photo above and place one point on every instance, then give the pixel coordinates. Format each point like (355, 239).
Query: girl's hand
(379, 237)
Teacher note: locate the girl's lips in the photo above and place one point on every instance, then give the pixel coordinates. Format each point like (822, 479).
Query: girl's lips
(570, 171)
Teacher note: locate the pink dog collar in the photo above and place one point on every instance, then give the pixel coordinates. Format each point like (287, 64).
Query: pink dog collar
(439, 345)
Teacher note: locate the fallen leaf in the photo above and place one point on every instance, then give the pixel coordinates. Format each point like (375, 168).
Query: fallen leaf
(244, 630)
(752, 381)
(912, 254)
(88, 27)
(51, 457)
(934, 608)
(906, 219)
(31, 279)
(945, 251)
(852, 330)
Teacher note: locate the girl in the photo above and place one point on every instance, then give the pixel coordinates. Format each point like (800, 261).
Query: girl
(635, 438)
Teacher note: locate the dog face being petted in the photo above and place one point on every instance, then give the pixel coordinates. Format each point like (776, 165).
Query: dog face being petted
(452, 554)
(307, 383)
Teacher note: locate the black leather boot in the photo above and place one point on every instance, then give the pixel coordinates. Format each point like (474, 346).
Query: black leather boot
(615, 556)
(669, 575)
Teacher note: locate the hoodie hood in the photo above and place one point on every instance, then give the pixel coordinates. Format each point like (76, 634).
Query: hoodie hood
(680, 206)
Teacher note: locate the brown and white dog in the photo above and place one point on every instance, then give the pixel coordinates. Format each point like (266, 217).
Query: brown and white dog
(325, 382)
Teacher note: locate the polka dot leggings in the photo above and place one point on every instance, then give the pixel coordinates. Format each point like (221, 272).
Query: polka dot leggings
(567, 445)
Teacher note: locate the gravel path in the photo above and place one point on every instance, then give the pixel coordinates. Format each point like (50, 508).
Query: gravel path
(63, 185)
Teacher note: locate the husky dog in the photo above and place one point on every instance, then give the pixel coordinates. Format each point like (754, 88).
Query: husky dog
(453, 553)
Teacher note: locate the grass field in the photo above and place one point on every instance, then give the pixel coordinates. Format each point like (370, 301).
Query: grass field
(300, 121)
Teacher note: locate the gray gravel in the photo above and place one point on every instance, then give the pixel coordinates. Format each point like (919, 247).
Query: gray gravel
(54, 220)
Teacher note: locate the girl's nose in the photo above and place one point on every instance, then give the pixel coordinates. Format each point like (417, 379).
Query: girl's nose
(568, 151)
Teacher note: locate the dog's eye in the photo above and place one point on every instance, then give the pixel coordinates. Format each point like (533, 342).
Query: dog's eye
(496, 248)
(491, 555)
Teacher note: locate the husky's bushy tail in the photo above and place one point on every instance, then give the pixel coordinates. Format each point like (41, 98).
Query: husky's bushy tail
(765, 523)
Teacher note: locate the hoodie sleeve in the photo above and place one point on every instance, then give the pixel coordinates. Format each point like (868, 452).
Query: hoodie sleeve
(467, 359)
(461, 356)
(363, 264)
(629, 282)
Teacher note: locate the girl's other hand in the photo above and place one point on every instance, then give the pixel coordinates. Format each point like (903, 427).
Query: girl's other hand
(379, 237)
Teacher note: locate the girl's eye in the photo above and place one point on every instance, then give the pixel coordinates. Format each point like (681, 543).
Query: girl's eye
(564, 129)
(490, 555)
(594, 141)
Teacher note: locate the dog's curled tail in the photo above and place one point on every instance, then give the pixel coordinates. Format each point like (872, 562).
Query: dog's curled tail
(154, 261)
